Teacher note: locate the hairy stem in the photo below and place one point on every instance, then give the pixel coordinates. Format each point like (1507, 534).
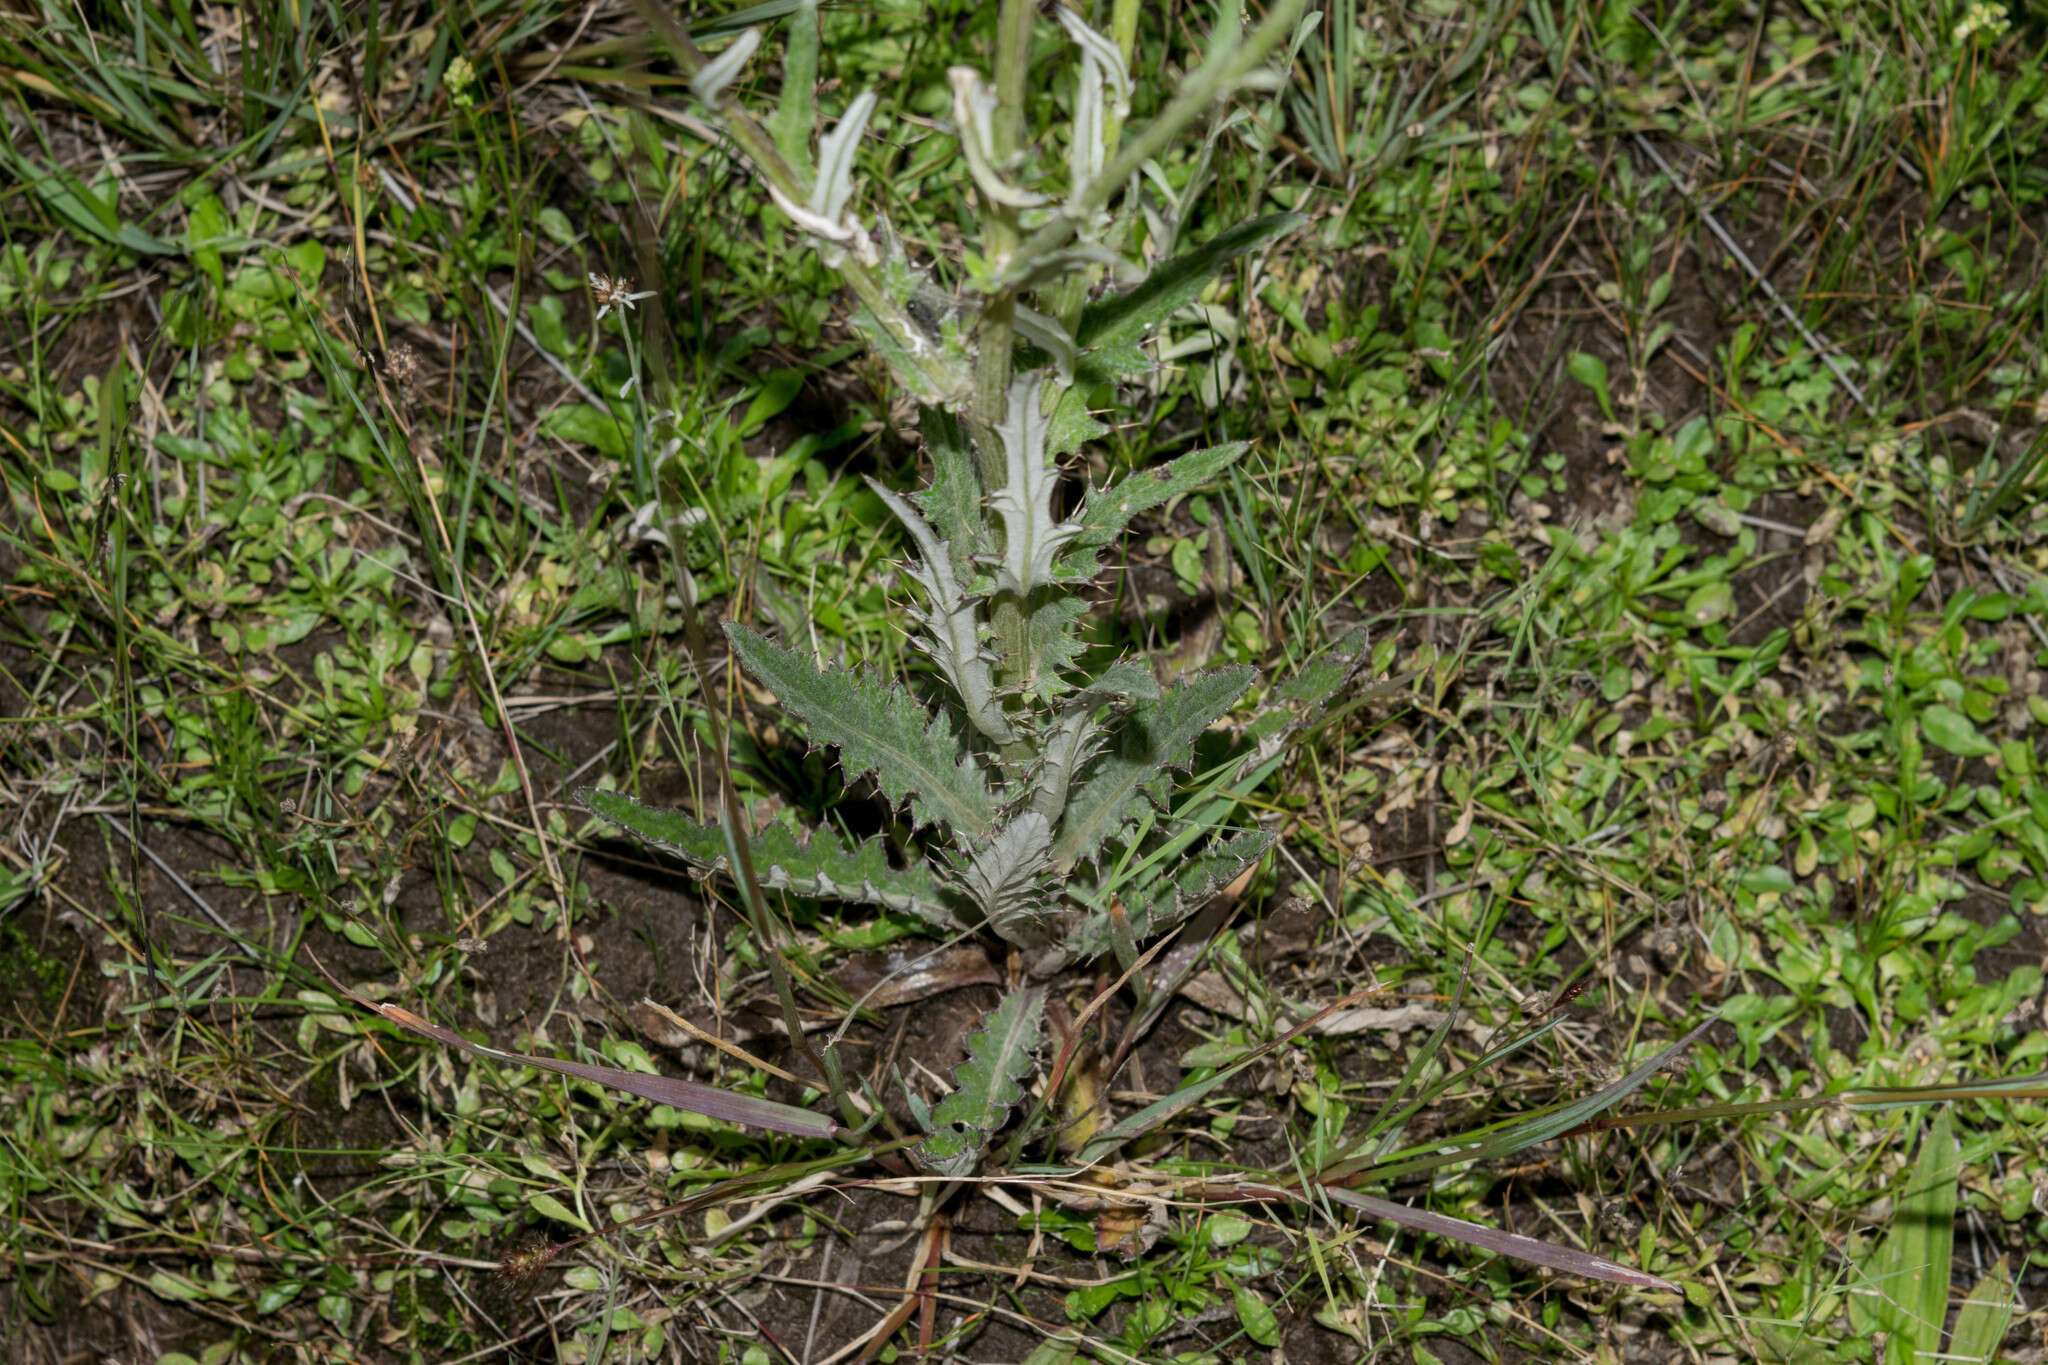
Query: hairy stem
(995, 334)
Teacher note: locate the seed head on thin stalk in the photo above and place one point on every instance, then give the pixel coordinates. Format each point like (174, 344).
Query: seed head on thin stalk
(614, 293)
(523, 1265)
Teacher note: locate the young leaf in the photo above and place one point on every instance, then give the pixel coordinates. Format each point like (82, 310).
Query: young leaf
(985, 1085)
(974, 110)
(1007, 879)
(823, 869)
(708, 1100)
(1032, 534)
(1150, 738)
(952, 625)
(1049, 336)
(708, 84)
(834, 185)
(1174, 284)
(915, 756)
(1102, 67)
(798, 110)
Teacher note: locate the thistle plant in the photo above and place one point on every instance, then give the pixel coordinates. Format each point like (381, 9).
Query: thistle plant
(1038, 781)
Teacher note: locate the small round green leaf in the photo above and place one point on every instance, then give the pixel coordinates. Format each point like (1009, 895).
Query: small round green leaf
(1227, 1230)
(1260, 1323)
(1953, 731)
(1710, 602)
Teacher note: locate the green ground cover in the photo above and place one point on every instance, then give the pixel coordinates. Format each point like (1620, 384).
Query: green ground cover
(1663, 387)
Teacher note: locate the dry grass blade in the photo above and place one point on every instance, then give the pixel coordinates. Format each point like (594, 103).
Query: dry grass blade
(708, 1100)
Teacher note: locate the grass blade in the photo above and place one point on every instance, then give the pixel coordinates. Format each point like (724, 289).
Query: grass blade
(1980, 1326)
(1909, 1298)
(1545, 1126)
(708, 1100)
(1533, 1250)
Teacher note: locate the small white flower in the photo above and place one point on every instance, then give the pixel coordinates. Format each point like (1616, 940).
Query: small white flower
(626, 389)
(1982, 17)
(611, 293)
(647, 522)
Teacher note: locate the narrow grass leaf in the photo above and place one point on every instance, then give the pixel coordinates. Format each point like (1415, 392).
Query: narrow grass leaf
(1435, 1088)
(1911, 1269)
(1548, 1125)
(727, 1105)
(1980, 1326)
(1533, 1250)
(1390, 1114)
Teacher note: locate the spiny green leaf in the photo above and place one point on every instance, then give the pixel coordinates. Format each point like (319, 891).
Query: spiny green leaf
(1174, 284)
(824, 869)
(1300, 701)
(951, 622)
(1032, 532)
(1067, 745)
(1051, 624)
(1051, 641)
(1006, 879)
(985, 1085)
(1172, 899)
(1106, 513)
(1150, 738)
(915, 756)
(953, 500)
(1072, 425)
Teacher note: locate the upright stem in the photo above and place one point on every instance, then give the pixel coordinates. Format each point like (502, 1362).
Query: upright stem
(995, 334)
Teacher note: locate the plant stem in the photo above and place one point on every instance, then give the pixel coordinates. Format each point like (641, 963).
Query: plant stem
(995, 333)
